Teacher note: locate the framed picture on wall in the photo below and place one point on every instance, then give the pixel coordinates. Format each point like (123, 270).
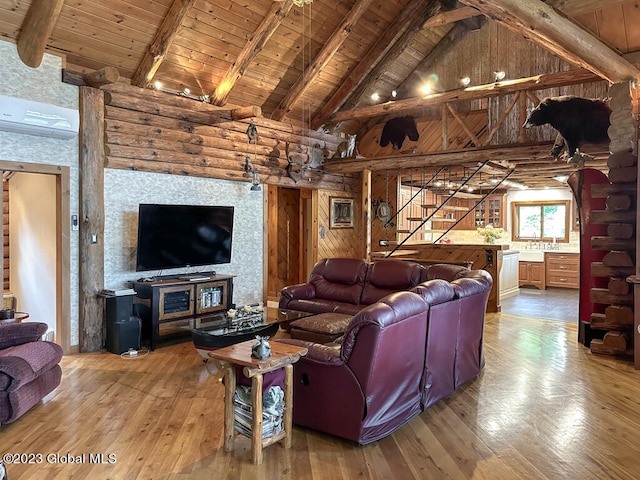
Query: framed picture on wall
(340, 212)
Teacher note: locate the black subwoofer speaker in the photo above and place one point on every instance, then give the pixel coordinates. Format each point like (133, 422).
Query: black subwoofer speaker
(121, 336)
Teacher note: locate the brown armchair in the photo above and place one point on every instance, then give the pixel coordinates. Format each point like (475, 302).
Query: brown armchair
(29, 368)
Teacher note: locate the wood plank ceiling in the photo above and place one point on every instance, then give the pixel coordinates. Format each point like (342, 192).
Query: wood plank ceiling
(318, 65)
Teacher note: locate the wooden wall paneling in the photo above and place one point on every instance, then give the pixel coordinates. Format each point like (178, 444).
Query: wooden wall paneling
(339, 242)
(384, 188)
(630, 19)
(612, 28)
(91, 167)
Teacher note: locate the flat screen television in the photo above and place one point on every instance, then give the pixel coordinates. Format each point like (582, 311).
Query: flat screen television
(174, 236)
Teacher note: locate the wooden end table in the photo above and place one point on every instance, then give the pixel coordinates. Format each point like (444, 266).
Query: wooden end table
(18, 317)
(284, 356)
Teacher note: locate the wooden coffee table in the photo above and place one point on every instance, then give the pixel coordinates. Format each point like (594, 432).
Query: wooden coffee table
(284, 356)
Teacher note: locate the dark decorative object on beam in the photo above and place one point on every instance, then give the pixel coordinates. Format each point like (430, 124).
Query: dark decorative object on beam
(396, 129)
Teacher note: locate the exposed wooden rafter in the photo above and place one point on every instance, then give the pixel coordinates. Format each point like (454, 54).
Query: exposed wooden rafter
(328, 51)
(391, 36)
(538, 82)
(273, 19)
(541, 24)
(451, 16)
(157, 50)
(36, 29)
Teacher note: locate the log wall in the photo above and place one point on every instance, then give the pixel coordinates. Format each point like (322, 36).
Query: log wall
(159, 132)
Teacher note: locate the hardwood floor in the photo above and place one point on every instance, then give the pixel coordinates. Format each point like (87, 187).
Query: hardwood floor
(543, 408)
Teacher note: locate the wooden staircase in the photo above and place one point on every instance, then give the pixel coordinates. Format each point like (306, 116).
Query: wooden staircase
(441, 213)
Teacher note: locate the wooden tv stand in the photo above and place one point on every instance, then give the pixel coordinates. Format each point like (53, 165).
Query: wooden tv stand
(170, 307)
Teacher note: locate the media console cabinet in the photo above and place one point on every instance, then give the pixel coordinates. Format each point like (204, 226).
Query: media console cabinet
(171, 307)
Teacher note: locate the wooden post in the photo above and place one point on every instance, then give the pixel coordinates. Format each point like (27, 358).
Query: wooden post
(366, 211)
(91, 168)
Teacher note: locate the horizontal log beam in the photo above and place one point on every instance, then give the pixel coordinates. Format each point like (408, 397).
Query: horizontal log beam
(36, 30)
(599, 269)
(538, 82)
(452, 157)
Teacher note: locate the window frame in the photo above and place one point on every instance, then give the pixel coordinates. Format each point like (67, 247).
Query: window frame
(516, 220)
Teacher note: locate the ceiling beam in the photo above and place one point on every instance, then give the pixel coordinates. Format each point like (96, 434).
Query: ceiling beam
(36, 30)
(315, 67)
(538, 82)
(452, 157)
(541, 24)
(373, 57)
(269, 24)
(157, 50)
(451, 16)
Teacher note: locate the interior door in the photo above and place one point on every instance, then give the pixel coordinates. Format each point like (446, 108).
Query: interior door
(287, 238)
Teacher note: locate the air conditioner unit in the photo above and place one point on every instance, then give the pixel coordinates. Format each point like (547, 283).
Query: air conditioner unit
(35, 118)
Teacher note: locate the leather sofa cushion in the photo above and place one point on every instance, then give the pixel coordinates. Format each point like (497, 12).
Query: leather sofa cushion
(331, 323)
(466, 286)
(386, 277)
(339, 279)
(435, 292)
(445, 271)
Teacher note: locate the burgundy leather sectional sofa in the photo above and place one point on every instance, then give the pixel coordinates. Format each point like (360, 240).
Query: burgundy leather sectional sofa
(401, 352)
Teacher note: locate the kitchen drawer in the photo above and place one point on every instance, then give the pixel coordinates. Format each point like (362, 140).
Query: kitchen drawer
(563, 280)
(563, 257)
(563, 269)
(562, 266)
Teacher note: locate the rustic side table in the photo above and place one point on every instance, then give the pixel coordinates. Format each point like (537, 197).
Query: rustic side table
(282, 356)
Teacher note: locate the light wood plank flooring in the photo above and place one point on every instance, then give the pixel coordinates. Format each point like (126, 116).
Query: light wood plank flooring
(544, 408)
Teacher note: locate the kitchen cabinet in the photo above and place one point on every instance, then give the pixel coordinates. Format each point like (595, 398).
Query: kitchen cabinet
(532, 273)
(562, 269)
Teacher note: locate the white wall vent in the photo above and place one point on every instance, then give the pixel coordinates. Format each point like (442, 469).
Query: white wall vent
(35, 118)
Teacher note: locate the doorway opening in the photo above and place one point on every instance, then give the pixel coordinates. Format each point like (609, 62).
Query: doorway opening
(29, 244)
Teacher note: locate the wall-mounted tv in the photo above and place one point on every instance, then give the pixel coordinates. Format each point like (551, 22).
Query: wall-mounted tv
(173, 236)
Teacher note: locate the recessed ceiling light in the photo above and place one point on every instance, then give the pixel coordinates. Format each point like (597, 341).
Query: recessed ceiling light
(465, 81)
(375, 96)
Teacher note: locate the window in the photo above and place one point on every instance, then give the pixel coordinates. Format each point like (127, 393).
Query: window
(542, 221)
